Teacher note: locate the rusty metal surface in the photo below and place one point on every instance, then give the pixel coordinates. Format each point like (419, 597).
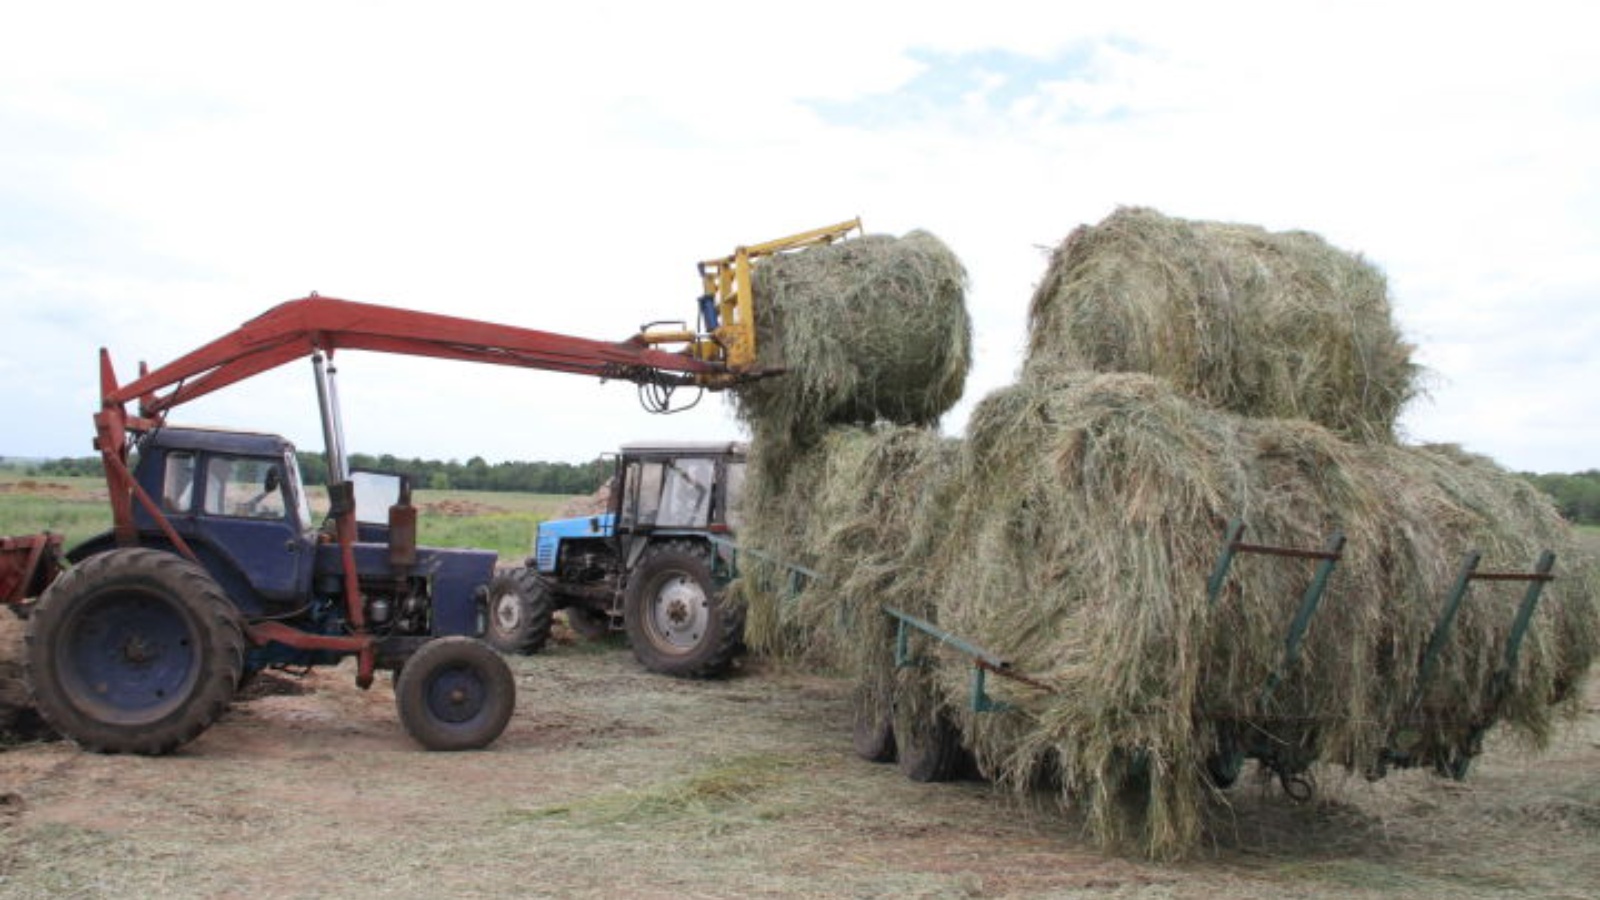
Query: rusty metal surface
(27, 565)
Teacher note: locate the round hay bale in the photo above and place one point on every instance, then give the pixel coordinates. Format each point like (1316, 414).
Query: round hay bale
(1092, 517)
(1268, 325)
(869, 329)
(853, 510)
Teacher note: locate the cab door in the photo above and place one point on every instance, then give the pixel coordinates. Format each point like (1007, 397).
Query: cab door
(247, 516)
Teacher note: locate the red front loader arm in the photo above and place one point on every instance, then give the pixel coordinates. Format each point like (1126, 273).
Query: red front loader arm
(313, 325)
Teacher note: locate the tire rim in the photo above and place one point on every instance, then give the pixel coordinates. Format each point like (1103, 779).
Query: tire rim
(680, 613)
(130, 656)
(456, 694)
(508, 612)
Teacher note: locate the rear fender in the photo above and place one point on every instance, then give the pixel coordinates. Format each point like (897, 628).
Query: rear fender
(233, 582)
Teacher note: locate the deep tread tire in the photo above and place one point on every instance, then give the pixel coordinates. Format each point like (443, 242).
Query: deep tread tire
(676, 621)
(520, 612)
(455, 693)
(929, 748)
(134, 651)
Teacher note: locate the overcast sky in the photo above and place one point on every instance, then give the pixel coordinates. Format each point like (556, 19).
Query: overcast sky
(169, 170)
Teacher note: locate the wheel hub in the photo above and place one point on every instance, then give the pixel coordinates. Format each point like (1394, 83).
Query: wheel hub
(508, 612)
(135, 650)
(682, 613)
(130, 654)
(456, 694)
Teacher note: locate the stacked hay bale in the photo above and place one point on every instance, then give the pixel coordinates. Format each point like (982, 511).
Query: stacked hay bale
(1093, 510)
(1276, 326)
(1179, 375)
(873, 333)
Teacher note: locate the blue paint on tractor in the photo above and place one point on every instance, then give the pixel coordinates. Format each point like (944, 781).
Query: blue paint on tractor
(130, 651)
(256, 538)
(547, 545)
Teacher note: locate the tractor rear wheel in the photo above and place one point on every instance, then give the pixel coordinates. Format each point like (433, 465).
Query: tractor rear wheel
(929, 747)
(519, 612)
(455, 693)
(676, 621)
(134, 651)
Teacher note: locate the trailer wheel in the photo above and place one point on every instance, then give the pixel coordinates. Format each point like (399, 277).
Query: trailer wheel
(873, 731)
(929, 748)
(519, 612)
(134, 651)
(455, 693)
(677, 623)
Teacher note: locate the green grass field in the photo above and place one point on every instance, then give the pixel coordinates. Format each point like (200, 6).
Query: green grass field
(1590, 535)
(76, 508)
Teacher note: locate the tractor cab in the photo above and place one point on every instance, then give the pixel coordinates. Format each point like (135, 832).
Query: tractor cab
(237, 499)
(667, 487)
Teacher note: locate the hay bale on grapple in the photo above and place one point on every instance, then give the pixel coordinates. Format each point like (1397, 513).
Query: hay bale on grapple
(872, 329)
(1269, 325)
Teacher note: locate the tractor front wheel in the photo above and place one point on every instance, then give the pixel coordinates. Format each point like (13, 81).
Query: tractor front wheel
(455, 693)
(519, 612)
(676, 621)
(134, 651)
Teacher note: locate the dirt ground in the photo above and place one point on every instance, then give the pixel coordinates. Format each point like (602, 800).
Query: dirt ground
(611, 782)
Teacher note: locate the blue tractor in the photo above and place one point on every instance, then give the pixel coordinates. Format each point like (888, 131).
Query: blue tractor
(137, 649)
(643, 566)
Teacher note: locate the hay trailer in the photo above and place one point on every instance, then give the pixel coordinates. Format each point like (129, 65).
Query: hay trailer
(643, 567)
(933, 748)
(138, 638)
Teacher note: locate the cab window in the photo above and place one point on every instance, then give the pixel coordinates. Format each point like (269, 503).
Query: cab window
(686, 493)
(243, 487)
(177, 493)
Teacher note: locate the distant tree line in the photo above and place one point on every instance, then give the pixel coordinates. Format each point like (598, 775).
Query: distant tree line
(1577, 496)
(63, 467)
(476, 474)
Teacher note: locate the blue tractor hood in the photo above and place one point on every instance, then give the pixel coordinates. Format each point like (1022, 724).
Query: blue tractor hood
(548, 542)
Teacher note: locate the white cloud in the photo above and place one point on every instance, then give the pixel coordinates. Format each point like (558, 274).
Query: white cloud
(562, 168)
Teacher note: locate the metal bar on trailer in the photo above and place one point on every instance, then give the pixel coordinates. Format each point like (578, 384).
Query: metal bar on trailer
(940, 634)
(1447, 618)
(983, 662)
(1302, 618)
(738, 549)
(1519, 627)
(1230, 545)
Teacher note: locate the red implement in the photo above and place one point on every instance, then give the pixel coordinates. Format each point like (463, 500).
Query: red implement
(27, 566)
